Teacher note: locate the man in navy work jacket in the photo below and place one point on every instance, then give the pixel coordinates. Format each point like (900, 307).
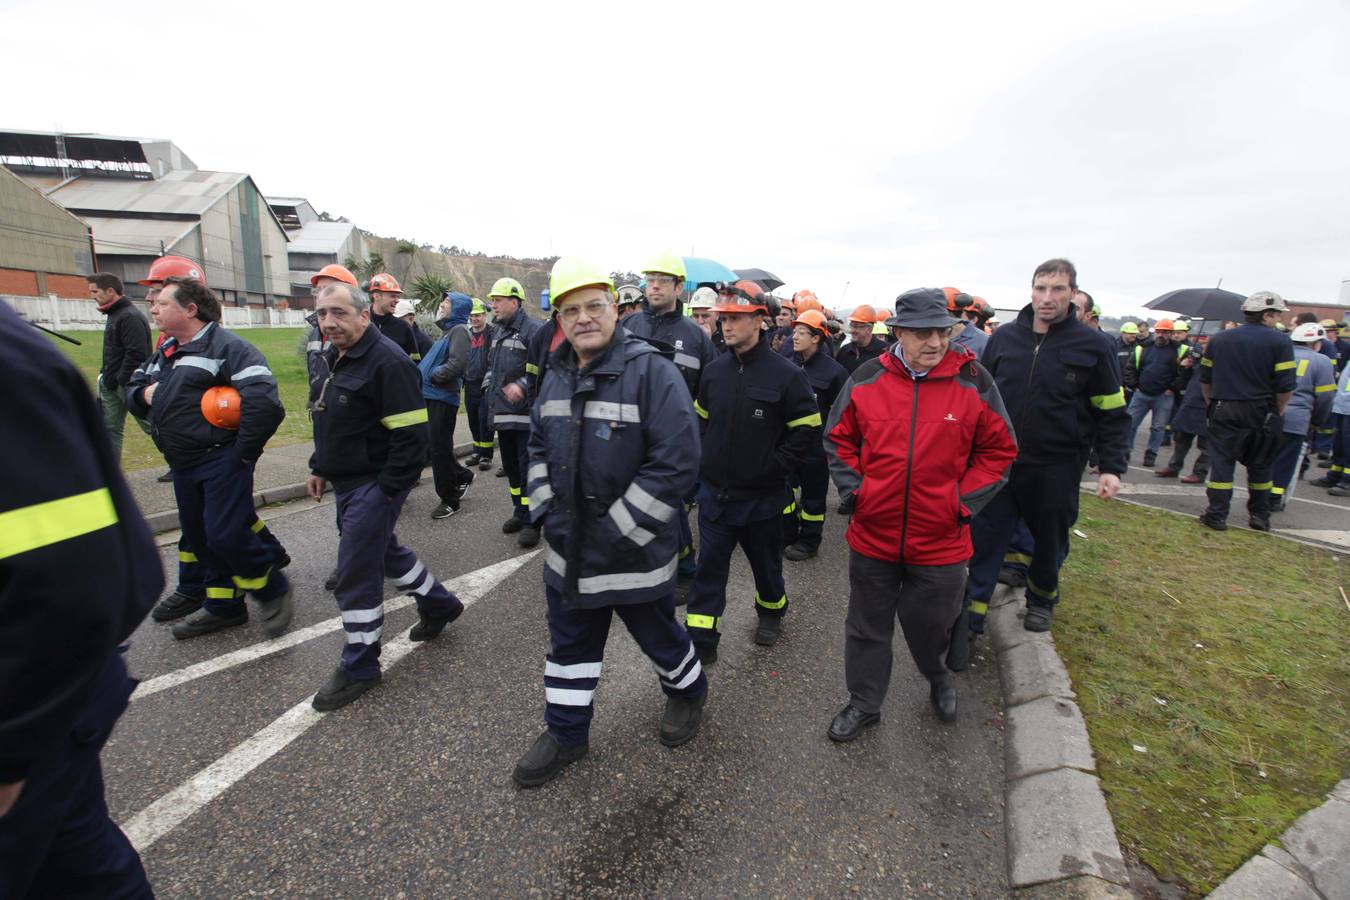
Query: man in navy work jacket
(213, 466)
(1061, 383)
(507, 388)
(613, 454)
(62, 618)
(370, 439)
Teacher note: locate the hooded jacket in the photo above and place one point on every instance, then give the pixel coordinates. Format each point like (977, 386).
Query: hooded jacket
(922, 456)
(445, 362)
(614, 451)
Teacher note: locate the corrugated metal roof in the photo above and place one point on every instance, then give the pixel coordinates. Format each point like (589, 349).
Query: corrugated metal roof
(183, 192)
(320, 237)
(136, 237)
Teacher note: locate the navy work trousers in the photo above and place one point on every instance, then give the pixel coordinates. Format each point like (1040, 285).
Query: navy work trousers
(577, 649)
(515, 460)
(215, 511)
(369, 552)
(720, 530)
(191, 582)
(58, 840)
(480, 426)
(1046, 498)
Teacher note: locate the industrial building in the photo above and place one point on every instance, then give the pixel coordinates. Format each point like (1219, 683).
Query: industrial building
(145, 198)
(314, 243)
(44, 249)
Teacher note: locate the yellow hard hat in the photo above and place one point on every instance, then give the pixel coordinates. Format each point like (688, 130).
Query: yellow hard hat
(478, 308)
(572, 272)
(1181, 325)
(666, 264)
(507, 287)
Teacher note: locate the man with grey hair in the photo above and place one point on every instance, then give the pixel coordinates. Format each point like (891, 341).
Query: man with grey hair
(370, 438)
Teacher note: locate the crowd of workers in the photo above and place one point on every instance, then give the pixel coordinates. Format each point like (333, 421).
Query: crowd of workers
(957, 450)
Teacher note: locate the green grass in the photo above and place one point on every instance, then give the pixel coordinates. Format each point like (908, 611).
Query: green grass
(285, 357)
(1249, 656)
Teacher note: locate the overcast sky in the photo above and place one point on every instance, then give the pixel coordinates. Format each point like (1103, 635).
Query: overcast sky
(1157, 144)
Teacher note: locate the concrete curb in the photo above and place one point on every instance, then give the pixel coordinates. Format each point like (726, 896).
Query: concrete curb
(1313, 862)
(1061, 839)
(167, 520)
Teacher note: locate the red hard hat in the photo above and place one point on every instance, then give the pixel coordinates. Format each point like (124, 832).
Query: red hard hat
(385, 282)
(220, 406)
(741, 297)
(172, 267)
(333, 270)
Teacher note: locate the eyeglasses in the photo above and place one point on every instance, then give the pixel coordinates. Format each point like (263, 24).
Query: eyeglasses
(594, 309)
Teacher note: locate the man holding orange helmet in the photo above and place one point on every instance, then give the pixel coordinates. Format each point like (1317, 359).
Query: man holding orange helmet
(213, 465)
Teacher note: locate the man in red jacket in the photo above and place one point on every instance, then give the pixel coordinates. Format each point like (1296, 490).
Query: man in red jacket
(919, 437)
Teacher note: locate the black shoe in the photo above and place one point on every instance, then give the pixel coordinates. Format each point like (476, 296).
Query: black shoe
(543, 761)
(1150, 460)
(330, 583)
(681, 719)
(203, 622)
(175, 606)
(341, 689)
(528, 537)
(485, 464)
(501, 471)
(1339, 489)
(682, 585)
(1258, 523)
(769, 630)
(798, 552)
(845, 507)
(962, 648)
(462, 489)
(512, 525)
(707, 654)
(850, 722)
(1167, 441)
(283, 560)
(942, 694)
(445, 510)
(277, 614)
(1038, 618)
(428, 627)
(1325, 481)
(1213, 522)
(1278, 504)
(1013, 578)
(166, 477)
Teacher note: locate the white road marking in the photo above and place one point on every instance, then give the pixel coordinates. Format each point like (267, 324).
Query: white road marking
(471, 584)
(169, 811)
(1144, 489)
(1340, 537)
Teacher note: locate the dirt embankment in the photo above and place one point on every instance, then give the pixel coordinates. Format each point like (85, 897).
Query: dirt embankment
(473, 275)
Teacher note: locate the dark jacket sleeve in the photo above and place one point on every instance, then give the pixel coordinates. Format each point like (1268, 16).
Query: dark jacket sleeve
(1111, 434)
(1324, 392)
(404, 413)
(1286, 378)
(260, 409)
(802, 415)
(140, 379)
(134, 333)
(1129, 372)
(70, 507)
(456, 357)
(536, 358)
(994, 447)
(843, 443)
(1181, 375)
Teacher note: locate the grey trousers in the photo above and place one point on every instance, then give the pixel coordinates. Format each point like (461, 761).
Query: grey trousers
(115, 415)
(926, 600)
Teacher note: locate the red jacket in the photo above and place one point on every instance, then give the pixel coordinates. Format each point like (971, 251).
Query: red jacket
(922, 456)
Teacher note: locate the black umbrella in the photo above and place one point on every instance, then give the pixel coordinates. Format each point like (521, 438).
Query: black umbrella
(1201, 303)
(766, 280)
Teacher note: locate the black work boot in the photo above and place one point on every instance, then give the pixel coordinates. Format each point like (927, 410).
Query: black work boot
(707, 653)
(1150, 460)
(849, 723)
(277, 614)
(341, 689)
(204, 622)
(528, 537)
(429, 626)
(681, 720)
(512, 525)
(769, 630)
(330, 583)
(1013, 578)
(175, 606)
(1209, 520)
(1038, 618)
(799, 551)
(543, 761)
(942, 694)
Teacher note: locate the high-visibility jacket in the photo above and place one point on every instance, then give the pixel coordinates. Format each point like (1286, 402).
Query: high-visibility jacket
(507, 360)
(78, 567)
(614, 451)
(691, 347)
(1314, 390)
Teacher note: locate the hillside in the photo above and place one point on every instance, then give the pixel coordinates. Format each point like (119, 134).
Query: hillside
(473, 275)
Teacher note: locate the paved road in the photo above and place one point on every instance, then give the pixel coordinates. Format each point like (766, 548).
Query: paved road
(1311, 515)
(233, 787)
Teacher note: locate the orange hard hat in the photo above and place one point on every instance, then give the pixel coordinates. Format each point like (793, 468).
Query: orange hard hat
(172, 267)
(743, 296)
(813, 318)
(951, 294)
(863, 314)
(805, 300)
(220, 406)
(1163, 325)
(333, 270)
(385, 282)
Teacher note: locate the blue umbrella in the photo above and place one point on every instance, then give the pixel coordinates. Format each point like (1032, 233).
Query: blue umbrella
(706, 271)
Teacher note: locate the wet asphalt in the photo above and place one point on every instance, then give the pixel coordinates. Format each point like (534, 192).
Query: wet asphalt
(408, 791)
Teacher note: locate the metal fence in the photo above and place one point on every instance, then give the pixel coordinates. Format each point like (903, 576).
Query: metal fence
(83, 315)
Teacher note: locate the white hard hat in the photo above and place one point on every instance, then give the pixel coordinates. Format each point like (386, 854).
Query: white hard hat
(405, 308)
(1264, 300)
(1308, 332)
(704, 298)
